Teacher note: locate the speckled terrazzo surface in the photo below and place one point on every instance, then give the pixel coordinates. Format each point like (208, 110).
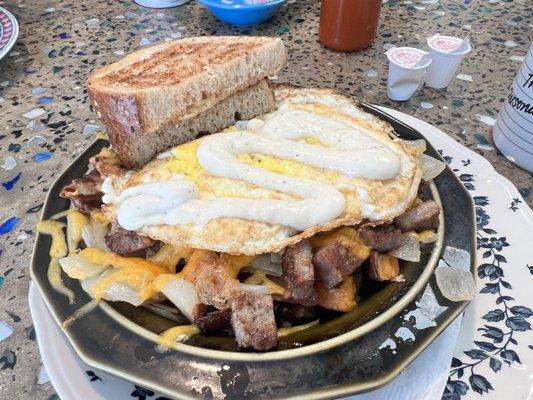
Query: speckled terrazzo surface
(45, 119)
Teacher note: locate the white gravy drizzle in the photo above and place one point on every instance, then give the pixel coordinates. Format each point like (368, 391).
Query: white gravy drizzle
(351, 151)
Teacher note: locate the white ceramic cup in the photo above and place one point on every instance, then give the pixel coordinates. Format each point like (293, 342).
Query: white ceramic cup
(513, 131)
(446, 59)
(407, 67)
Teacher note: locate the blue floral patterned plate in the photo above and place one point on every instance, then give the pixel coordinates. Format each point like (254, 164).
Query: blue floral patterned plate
(9, 31)
(494, 353)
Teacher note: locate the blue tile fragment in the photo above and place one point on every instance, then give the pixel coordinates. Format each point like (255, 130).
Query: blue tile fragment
(45, 100)
(457, 103)
(11, 183)
(40, 157)
(8, 225)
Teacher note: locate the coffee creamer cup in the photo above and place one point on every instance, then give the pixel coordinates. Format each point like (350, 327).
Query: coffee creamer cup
(407, 67)
(447, 52)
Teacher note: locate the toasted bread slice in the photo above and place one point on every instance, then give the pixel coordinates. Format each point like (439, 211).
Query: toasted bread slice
(139, 97)
(137, 150)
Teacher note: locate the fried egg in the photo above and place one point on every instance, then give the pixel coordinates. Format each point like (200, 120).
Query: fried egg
(264, 184)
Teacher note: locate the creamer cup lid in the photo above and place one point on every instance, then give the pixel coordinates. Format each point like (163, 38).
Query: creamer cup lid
(448, 44)
(408, 57)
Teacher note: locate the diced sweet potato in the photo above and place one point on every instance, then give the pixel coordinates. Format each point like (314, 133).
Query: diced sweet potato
(341, 298)
(383, 266)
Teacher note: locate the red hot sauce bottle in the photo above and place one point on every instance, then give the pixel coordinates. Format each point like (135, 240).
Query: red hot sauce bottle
(348, 25)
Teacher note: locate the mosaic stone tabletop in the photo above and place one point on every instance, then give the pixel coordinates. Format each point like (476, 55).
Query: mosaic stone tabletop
(46, 121)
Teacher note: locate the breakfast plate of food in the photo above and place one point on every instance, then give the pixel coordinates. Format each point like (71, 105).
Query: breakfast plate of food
(245, 237)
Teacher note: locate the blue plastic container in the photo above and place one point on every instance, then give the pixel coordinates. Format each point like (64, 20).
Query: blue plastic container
(241, 12)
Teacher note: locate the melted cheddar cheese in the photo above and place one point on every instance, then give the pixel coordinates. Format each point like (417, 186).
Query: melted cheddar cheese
(170, 337)
(75, 223)
(428, 236)
(100, 217)
(348, 237)
(136, 272)
(55, 229)
(57, 250)
(169, 256)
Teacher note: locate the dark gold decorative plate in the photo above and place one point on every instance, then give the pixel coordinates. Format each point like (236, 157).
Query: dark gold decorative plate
(334, 358)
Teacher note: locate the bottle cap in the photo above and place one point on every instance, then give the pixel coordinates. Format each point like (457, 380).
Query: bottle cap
(447, 53)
